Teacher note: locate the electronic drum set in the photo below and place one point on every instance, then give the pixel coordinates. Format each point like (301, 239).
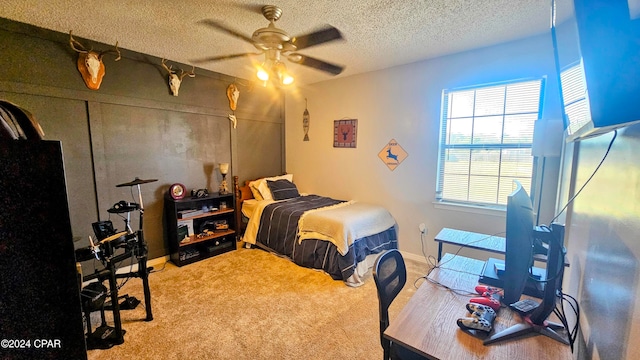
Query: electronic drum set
(111, 248)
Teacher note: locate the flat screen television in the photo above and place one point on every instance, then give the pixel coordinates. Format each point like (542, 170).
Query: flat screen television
(597, 51)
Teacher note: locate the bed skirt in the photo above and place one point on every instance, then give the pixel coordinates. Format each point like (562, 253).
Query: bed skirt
(323, 255)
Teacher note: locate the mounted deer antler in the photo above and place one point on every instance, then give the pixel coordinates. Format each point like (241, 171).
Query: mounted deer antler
(90, 63)
(174, 79)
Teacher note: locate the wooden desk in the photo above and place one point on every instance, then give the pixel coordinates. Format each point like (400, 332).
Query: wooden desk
(427, 324)
(471, 240)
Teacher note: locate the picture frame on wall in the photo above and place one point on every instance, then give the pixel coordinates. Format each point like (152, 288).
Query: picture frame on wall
(345, 133)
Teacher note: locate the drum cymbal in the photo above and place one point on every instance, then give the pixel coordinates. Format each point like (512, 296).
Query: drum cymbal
(136, 181)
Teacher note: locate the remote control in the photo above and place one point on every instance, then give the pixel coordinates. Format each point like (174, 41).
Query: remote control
(525, 306)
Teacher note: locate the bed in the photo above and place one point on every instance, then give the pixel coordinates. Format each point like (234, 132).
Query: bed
(341, 238)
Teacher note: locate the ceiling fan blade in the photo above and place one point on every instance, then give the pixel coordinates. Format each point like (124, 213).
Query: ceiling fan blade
(224, 28)
(222, 57)
(329, 33)
(316, 63)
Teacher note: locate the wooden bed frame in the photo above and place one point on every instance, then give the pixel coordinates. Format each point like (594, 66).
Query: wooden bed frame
(242, 193)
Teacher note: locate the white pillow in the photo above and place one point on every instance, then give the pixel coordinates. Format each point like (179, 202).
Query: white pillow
(253, 186)
(260, 189)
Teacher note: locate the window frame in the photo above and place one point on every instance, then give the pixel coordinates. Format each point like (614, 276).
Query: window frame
(443, 145)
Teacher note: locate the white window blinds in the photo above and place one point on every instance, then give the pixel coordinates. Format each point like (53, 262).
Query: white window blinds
(574, 92)
(485, 141)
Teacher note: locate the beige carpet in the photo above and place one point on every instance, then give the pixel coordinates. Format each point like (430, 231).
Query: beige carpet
(250, 304)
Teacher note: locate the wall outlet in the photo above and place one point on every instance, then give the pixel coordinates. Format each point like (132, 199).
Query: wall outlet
(423, 228)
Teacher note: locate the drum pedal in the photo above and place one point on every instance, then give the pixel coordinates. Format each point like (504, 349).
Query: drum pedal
(104, 337)
(129, 303)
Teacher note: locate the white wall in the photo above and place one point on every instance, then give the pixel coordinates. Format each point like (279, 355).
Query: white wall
(403, 103)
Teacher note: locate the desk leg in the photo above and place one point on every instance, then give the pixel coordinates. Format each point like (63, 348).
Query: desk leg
(439, 251)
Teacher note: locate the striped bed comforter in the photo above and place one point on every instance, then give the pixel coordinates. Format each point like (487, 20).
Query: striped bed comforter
(278, 231)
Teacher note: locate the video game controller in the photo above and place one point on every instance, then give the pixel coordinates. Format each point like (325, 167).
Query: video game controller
(492, 302)
(474, 323)
(482, 317)
(487, 290)
(490, 296)
(481, 310)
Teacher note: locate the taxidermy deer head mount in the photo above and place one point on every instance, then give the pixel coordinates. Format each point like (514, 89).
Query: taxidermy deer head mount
(174, 79)
(233, 94)
(90, 63)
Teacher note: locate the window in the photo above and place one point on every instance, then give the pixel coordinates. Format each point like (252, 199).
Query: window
(485, 141)
(574, 92)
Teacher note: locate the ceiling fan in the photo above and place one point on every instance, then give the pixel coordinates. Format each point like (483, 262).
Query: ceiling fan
(275, 44)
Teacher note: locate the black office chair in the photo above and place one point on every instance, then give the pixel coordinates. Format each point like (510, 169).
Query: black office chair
(390, 276)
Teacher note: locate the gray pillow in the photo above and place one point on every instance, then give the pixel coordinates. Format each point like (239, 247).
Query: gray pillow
(282, 189)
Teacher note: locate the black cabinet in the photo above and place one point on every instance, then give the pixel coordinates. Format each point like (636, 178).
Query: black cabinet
(40, 311)
(198, 228)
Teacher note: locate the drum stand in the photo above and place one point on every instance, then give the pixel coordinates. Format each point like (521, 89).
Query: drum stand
(140, 251)
(115, 335)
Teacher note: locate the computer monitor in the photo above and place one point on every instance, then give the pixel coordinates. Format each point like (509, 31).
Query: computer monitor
(536, 322)
(519, 244)
(519, 258)
(516, 274)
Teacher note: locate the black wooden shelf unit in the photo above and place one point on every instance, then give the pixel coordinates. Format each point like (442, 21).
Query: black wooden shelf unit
(199, 228)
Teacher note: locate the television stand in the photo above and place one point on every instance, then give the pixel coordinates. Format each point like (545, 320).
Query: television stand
(471, 240)
(528, 327)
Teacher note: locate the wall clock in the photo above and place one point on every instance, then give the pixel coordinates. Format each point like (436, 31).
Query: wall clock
(345, 133)
(177, 191)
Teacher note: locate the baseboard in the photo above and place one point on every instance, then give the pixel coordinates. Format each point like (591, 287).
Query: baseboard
(156, 263)
(413, 257)
(150, 263)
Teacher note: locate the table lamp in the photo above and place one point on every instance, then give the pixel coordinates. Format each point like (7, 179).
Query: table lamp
(224, 170)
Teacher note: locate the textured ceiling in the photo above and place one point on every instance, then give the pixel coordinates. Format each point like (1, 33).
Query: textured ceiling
(377, 34)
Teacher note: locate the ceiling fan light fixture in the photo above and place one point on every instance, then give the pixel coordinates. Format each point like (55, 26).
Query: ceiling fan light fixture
(287, 79)
(262, 73)
(280, 69)
(275, 70)
(274, 43)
